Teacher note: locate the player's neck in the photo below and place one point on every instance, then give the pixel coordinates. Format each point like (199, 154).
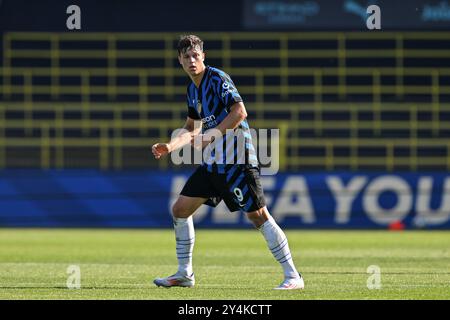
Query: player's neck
(197, 79)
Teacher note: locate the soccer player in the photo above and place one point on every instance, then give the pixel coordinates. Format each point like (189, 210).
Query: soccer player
(213, 99)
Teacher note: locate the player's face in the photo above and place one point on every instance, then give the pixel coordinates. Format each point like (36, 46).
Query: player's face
(192, 61)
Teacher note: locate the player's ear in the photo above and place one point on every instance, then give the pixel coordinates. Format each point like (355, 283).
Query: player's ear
(203, 56)
(179, 58)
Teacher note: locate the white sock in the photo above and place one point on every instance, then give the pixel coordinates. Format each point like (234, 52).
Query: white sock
(185, 238)
(278, 245)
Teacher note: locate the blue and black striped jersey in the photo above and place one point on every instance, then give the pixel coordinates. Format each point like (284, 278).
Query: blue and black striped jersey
(211, 103)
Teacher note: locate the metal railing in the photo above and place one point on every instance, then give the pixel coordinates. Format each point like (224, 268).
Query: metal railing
(23, 81)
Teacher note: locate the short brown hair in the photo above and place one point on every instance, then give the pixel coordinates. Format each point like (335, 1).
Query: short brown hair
(187, 42)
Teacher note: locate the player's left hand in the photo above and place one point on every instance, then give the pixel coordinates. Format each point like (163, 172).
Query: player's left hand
(160, 149)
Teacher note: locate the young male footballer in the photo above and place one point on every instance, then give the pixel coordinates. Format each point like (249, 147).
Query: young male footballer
(213, 99)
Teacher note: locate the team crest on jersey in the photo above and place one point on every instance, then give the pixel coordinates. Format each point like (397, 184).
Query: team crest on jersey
(199, 107)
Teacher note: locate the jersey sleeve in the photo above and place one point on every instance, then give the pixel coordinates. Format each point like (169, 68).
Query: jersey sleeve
(226, 90)
(192, 112)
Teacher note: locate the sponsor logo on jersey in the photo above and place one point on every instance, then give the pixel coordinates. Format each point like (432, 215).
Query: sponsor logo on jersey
(209, 122)
(208, 119)
(228, 89)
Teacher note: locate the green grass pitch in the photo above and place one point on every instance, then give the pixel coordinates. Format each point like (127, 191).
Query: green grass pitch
(232, 264)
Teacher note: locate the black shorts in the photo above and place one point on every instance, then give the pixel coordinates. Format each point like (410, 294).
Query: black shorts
(240, 188)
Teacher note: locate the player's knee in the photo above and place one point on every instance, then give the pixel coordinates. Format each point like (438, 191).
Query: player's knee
(258, 217)
(180, 211)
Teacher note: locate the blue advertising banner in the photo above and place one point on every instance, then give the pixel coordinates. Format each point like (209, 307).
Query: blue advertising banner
(128, 199)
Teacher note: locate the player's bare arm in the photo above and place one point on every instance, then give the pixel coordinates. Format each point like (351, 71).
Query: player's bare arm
(235, 117)
(192, 128)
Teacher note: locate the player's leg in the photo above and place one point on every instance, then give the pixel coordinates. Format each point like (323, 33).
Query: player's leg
(182, 212)
(244, 192)
(278, 245)
(196, 191)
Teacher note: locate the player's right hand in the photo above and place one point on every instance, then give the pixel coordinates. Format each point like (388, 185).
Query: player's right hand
(160, 149)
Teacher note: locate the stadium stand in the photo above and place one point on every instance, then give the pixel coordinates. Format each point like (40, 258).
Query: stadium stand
(342, 100)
